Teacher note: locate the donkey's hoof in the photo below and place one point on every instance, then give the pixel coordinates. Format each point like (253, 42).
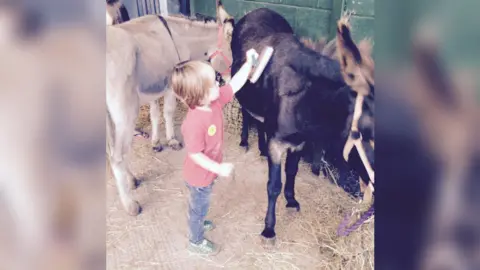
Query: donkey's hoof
(268, 233)
(157, 148)
(175, 145)
(136, 183)
(140, 133)
(134, 208)
(324, 173)
(316, 170)
(293, 206)
(268, 237)
(157, 145)
(244, 144)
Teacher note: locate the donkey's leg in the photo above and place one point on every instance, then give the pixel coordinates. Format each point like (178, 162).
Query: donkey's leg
(319, 161)
(123, 118)
(314, 154)
(155, 119)
(169, 106)
(355, 164)
(366, 190)
(245, 125)
(132, 181)
(124, 180)
(274, 186)
(262, 144)
(291, 169)
(347, 178)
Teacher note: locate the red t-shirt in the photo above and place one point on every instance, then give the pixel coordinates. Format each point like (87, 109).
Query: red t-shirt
(203, 132)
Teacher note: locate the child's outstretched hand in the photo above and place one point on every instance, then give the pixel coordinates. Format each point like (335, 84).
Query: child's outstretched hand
(225, 169)
(252, 56)
(241, 77)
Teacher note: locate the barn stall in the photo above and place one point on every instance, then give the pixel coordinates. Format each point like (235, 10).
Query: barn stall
(157, 238)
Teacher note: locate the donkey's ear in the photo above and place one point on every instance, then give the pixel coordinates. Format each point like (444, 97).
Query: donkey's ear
(365, 46)
(227, 21)
(348, 54)
(222, 15)
(346, 48)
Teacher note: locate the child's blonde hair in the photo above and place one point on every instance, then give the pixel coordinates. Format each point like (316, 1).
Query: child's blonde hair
(191, 81)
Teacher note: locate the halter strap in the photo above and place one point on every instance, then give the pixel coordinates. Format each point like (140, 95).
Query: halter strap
(355, 139)
(218, 51)
(165, 23)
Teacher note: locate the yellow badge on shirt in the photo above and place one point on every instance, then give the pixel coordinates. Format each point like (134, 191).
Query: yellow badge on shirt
(212, 129)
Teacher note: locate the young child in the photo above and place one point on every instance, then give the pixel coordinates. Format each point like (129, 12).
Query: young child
(194, 83)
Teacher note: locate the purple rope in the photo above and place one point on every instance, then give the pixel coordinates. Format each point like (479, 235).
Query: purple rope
(342, 228)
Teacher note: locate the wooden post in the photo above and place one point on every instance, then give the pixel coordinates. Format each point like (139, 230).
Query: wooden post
(164, 7)
(192, 7)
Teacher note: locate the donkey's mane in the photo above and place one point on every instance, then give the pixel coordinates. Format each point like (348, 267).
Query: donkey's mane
(317, 45)
(197, 21)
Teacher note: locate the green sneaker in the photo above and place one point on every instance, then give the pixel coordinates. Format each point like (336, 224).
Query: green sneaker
(205, 247)
(208, 225)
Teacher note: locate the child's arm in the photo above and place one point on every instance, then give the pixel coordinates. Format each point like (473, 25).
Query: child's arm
(222, 169)
(241, 77)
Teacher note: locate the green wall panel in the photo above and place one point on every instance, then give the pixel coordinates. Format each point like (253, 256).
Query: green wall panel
(361, 7)
(206, 7)
(288, 12)
(362, 27)
(319, 4)
(309, 18)
(268, 1)
(313, 23)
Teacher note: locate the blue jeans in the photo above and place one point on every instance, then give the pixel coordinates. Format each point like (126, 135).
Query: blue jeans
(197, 211)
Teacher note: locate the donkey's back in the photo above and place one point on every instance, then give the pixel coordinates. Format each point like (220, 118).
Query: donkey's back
(141, 24)
(154, 52)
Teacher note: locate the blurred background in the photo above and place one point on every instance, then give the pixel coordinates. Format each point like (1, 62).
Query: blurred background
(52, 98)
(52, 107)
(428, 159)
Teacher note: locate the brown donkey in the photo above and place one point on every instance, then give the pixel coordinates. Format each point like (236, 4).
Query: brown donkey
(141, 54)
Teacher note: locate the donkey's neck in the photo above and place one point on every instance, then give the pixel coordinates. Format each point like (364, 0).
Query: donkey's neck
(201, 40)
(198, 37)
(192, 29)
